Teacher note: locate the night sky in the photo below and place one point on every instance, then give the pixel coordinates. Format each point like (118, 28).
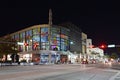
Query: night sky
(100, 20)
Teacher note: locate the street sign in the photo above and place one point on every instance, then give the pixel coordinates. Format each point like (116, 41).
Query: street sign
(111, 46)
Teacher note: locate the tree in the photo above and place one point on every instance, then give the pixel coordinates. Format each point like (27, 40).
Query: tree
(106, 56)
(94, 53)
(114, 56)
(7, 46)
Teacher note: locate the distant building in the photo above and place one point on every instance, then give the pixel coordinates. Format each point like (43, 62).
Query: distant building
(89, 47)
(97, 53)
(84, 43)
(94, 52)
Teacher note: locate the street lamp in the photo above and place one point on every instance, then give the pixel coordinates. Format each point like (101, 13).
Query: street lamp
(71, 42)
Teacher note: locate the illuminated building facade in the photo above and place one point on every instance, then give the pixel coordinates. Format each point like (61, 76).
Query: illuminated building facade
(47, 43)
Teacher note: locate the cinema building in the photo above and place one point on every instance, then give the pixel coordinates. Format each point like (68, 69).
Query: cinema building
(48, 43)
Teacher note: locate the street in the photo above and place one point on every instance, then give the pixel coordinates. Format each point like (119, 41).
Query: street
(60, 72)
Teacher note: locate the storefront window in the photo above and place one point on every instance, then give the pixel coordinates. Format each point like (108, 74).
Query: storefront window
(59, 38)
(29, 39)
(44, 39)
(36, 39)
(28, 34)
(64, 39)
(44, 34)
(44, 58)
(55, 38)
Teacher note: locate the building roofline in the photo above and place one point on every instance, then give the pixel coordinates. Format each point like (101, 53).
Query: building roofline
(31, 27)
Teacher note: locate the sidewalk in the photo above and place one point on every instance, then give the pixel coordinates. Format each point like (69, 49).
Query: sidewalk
(116, 66)
(116, 77)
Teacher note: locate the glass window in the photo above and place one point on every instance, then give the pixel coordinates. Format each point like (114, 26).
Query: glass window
(36, 38)
(17, 37)
(21, 37)
(44, 34)
(36, 31)
(28, 34)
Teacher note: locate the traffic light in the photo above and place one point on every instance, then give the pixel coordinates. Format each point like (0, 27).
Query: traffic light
(103, 46)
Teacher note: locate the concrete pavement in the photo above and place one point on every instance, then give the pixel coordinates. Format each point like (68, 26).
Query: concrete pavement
(38, 71)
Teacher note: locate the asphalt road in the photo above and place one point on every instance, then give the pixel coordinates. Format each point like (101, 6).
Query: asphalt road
(59, 72)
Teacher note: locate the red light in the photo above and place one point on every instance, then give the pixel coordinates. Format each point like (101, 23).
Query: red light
(103, 46)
